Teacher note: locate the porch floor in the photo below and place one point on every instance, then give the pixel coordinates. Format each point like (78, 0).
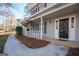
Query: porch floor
(63, 43)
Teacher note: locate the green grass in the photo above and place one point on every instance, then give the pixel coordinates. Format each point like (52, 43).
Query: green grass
(3, 39)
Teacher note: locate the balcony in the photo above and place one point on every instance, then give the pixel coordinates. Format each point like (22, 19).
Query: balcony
(41, 7)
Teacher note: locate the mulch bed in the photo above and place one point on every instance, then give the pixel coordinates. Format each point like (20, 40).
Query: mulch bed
(73, 52)
(32, 42)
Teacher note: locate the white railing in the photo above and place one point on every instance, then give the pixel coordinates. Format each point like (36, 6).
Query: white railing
(34, 33)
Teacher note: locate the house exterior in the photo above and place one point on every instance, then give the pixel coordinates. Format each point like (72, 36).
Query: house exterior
(53, 20)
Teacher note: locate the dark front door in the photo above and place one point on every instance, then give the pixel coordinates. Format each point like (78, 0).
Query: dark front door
(64, 28)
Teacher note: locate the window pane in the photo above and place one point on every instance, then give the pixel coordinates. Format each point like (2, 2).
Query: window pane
(45, 27)
(45, 4)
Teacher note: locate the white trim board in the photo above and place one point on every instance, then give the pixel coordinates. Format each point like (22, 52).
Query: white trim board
(71, 30)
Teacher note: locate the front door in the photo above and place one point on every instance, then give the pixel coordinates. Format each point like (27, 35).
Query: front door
(64, 28)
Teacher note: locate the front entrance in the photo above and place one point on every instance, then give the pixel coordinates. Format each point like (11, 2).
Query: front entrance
(64, 28)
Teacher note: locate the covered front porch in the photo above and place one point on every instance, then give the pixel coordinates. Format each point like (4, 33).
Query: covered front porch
(48, 25)
(34, 28)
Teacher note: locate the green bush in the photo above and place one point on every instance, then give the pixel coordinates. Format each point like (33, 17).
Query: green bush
(19, 30)
(3, 39)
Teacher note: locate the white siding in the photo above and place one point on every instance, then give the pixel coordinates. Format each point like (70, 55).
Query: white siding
(31, 5)
(50, 29)
(77, 27)
(50, 4)
(24, 30)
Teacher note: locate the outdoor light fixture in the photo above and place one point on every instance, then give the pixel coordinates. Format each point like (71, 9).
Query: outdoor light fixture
(50, 21)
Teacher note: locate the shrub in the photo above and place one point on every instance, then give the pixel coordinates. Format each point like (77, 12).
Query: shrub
(19, 30)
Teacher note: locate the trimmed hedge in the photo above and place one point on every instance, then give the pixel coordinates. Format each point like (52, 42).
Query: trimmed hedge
(19, 30)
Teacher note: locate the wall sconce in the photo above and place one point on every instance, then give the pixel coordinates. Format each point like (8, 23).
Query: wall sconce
(50, 21)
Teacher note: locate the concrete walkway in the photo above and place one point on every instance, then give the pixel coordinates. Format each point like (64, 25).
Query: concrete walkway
(14, 47)
(68, 43)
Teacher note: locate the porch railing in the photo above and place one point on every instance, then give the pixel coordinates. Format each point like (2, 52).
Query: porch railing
(34, 33)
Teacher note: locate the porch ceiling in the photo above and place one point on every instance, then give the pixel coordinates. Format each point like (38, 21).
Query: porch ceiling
(58, 13)
(62, 12)
(34, 22)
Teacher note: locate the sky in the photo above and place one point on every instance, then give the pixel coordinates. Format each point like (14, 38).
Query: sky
(18, 11)
(1, 21)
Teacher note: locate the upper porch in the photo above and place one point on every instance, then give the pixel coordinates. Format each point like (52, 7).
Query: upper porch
(55, 9)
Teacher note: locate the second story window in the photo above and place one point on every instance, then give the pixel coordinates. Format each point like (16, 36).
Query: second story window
(34, 11)
(38, 8)
(45, 5)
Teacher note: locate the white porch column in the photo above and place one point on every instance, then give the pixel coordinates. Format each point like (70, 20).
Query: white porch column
(41, 34)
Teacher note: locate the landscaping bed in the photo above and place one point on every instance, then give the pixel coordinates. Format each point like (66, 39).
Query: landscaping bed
(73, 52)
(32, 42)
(3, 39)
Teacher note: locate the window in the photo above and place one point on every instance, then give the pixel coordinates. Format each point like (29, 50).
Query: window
(56, 24)
(34, 11)
(37, 27)
(72, 22)
(38, 8)
(45, 5)
(45, 27)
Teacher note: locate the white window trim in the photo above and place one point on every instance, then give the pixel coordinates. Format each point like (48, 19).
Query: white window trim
(69, 26)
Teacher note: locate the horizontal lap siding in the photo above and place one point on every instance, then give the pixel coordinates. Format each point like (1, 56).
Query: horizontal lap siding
(77, 27)
(50, 29)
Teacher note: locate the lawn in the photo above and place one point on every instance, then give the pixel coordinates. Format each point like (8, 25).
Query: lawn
(3, 39)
